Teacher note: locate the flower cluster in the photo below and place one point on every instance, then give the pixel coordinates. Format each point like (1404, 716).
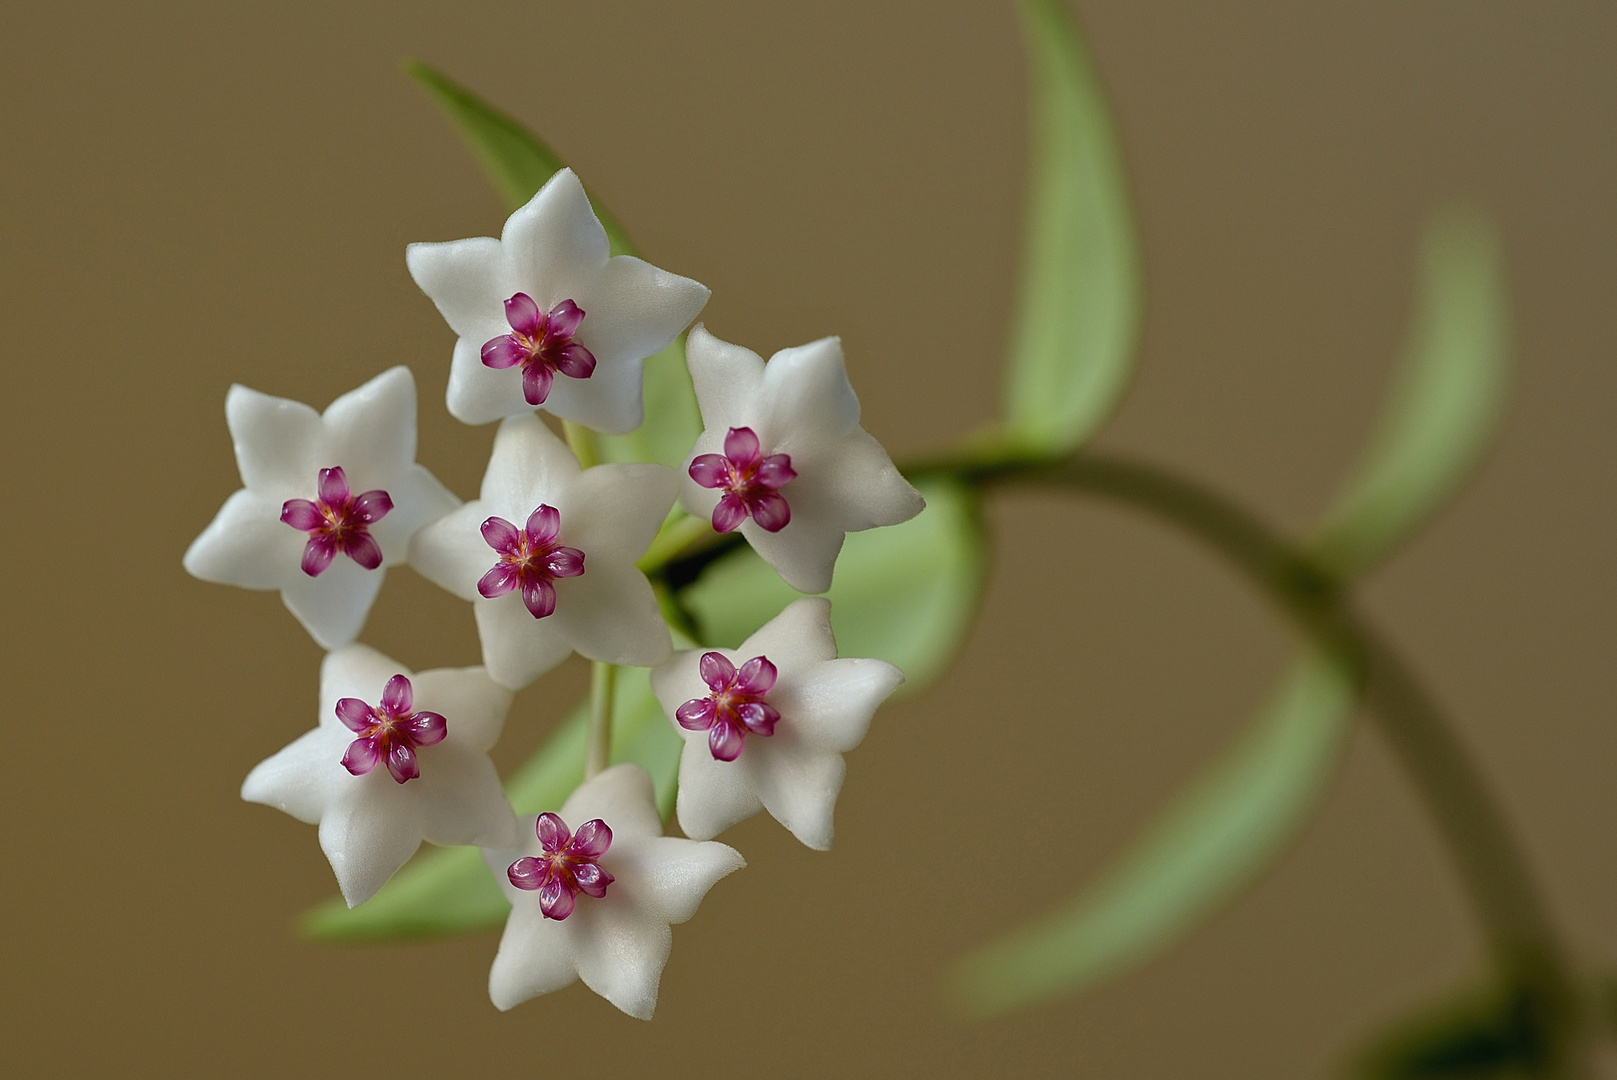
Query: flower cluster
(547, 556)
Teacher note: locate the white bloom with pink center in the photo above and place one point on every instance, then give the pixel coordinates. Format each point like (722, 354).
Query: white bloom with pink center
(766, 725)
(547, 556)
(397, 758)
(784, 458)
(329, 501)
(545, 319)
(593, 891)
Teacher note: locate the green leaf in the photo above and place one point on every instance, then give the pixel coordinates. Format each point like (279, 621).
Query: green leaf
(450, 890)
(904, 594)
(1209, 844)
(519, 163)
(1493, 1033)
(1079, 307)
(1444, 404)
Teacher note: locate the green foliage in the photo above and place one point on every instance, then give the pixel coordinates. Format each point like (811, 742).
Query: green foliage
(1211, 842)
(1444, 403)
(450, 890)
(1078, 315)
(1493, 1034)
(518, 162)
(904, 594)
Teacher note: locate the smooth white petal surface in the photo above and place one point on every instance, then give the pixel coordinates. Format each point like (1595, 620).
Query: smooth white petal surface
(247, 545)
(517, 648)
(610, 614)
(451, 552)
(613, 512)
(806, 394)
(528, 466)
(277, 441)
(333, 606)
(370, 825)
(465, 279)
(825, 707)
(619, 943)
(727, 379)
(610, 400)
(370, 431)
(805, 552)
(634, 310)
(478, 394)
(554, 245)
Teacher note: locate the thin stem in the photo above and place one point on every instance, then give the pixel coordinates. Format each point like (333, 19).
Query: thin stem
(598, 753)
(1490, 864)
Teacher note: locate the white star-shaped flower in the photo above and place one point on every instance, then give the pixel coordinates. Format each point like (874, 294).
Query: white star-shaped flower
(396, 758)
(593, 891)
(329, 502)
(766, 725)
(784, 458)
(546, 319)
(547, 556)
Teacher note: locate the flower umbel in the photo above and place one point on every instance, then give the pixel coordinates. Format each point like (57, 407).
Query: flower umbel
(337, 520)
(530, 559)
(749, 481)
(568, 865)
(542, 343)
(735, 707)
(389, 732)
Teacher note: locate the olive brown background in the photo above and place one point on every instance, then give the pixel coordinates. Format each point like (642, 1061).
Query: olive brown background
(194, 194)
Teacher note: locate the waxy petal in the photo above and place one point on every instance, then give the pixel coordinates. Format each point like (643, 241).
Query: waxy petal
(401, 762)
(500, 580)
(317, 555)
(426, 728)
(741, 446)
(354, 714)
(500, 535)
(543, 525)
(717, 671)
(709, 470)
(372, 506)
(536, 380)
(363, 549)
(725, 741)
(302, 514)
(593, 839)
(575, 361)
(771, 512)
(503, 352)
(527, 873)
(539, 597)
(776, 471)
(697, 714)
(759, 717)
(556, 900)
(397, 696)
(564, 320)
(361, 756)
(565, 562)
(552, 832)
(333, 485)
(756, 676)
(523, 316)
(592, 880)
(729, 515)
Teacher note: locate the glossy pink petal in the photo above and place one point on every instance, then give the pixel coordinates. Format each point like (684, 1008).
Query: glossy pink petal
(696, 714)
(302, 514)
(398, 696)
(503, 352)
(426, 728)
(770, 511)
(759, 718)
(362, 548)
(354, 714)
(556, 900)
(757, 677)
(536, 380)
(361, 756)
(564, 320)
(333, 485)
(526, 873)
(539, 597)
(565, 562)
(498, 581)
(523, 315)
(741, 447)
(592, 880)
(317, 554)
(543, 525)
(373, 506)
(401, 762)
(709, 470)
(716, 671)
(501, 535)
(729, 513)
(776, 471)
(593, 839)
(552, 832)
(725, 740)
(575, 361)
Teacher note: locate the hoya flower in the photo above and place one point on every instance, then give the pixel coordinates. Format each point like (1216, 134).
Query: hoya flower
(595, 901)
(547, 554)
(784, 458)
(546, 319)
(766, 725)
(396, 758)
(329, 502)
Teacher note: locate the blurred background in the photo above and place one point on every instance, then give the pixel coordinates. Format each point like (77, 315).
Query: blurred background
(195, 194)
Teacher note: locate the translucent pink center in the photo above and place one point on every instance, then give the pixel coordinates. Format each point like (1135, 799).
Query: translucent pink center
(542, 343)
(530, 559)
(569, 865)
(749, 480)
(337, 520)
(389, 732)
(735, 707)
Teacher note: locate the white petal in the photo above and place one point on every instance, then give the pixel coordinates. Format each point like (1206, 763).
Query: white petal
(478, 394)
(804, 552)
(529, 466)
(464, 279)
(634, 309)
(371, 430)
(462, 801)
(795, 640)
(333, 606)
(667, 876)
(554, 246)
(865, 485)
(613, 512)
(798, 785)
(714, 795)
(278, 442)
(621, 796)
(610, 614)
(620, 953)
(418, 499)
(300, 778)
(610, 400)
(728, 378)
(357, 671)
(830, 707)
(806, 389)
(473, 704)
(535, 957)
(369, 832)
(517, 648)
(247, 544)
(451, 552)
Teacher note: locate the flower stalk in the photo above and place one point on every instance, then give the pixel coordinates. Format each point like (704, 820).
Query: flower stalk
(598, 751)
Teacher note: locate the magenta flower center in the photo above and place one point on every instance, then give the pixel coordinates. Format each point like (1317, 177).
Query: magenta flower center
(569, 865)
(531, 558)
(541, 343)
(735, 706)
(389, 732)
(337, 520)
(749, 481)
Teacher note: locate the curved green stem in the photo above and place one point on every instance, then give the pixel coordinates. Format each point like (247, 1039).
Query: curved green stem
(1490, 864)
(598, 751)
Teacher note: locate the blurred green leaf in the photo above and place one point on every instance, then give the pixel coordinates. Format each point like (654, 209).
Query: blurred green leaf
(1210, 843)
(519, 163)
(904, 594)
(1079, 307)
(1444, 404)
(1492, 1034)
(450, 890)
